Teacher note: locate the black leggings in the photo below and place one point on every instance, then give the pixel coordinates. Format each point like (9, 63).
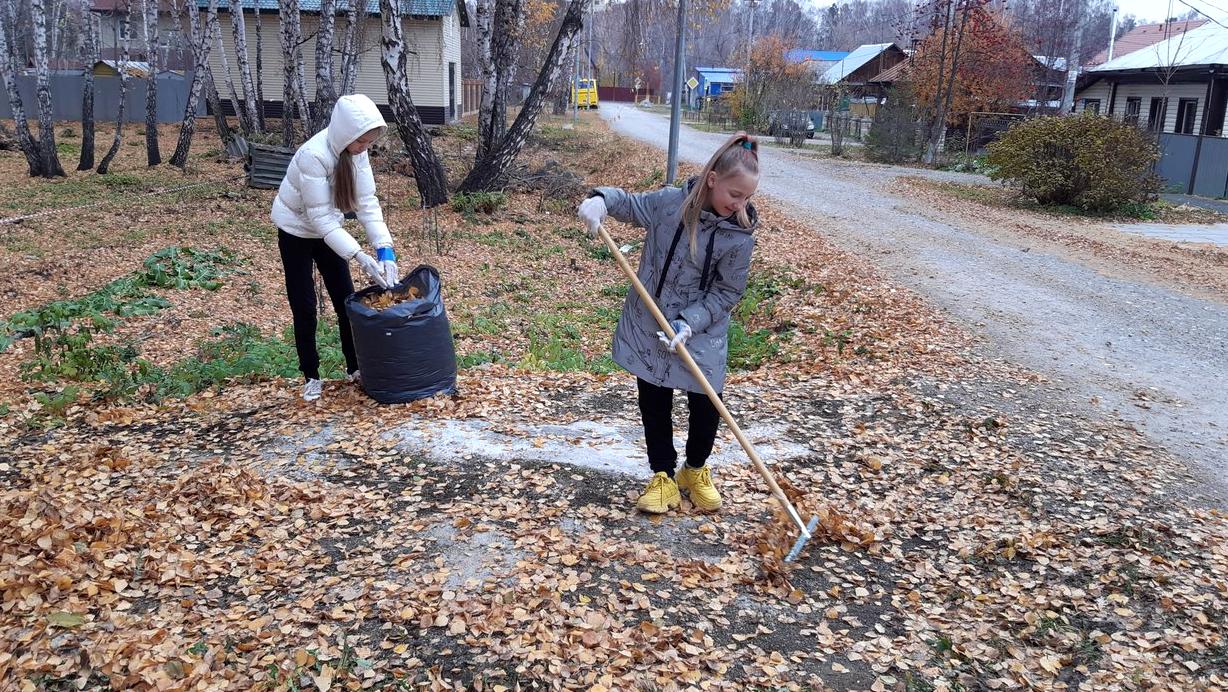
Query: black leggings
(297, 256)
(656, 409)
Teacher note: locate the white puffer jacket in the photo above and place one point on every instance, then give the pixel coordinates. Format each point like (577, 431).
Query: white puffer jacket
(304, 204)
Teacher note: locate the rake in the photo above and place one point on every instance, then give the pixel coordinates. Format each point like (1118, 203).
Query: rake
(806, 529)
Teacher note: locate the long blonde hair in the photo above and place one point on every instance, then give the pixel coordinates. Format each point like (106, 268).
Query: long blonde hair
(740, 154)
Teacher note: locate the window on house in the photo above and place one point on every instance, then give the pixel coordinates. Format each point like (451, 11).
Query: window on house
(1134, 105)
(1187, 110)
(1092, 105)
(1157, 114)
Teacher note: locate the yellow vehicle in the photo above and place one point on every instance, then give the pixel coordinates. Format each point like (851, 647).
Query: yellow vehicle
(584, 93)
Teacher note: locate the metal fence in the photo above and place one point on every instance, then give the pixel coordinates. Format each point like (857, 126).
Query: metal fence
(1193, 166)
(66, 92)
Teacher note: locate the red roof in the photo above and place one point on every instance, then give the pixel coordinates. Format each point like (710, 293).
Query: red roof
(1145, 35)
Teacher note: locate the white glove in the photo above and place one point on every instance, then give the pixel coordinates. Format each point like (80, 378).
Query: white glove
(372, 268)
(592, 213)
(682, 332)
(388, 265)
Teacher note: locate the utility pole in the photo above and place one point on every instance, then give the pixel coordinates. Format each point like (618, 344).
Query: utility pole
(1112, 33)
(675, 104)
(750, 41)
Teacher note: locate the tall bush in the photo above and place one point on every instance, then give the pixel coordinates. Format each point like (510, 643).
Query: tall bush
(893, 138)
(1088, 161)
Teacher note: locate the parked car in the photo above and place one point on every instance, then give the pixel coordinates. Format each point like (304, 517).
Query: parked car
(788, 124)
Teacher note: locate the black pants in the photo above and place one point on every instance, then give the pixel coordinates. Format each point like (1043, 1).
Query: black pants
(656, 410)
(297, 256)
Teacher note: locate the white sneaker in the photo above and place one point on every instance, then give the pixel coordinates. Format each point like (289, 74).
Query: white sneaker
(354, 377)
(312, 390)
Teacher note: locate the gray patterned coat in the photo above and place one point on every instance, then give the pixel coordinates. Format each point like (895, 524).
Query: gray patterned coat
(702, 290)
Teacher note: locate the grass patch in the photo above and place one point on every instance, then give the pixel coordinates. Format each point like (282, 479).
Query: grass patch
(129, 296)
(470, 203)
(235, 352)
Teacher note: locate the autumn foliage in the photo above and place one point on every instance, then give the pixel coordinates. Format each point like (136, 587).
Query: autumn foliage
(772, 83)
(993, 69)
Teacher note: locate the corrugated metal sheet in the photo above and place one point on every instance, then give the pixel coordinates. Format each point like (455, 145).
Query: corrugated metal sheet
(720, 75)
(854, 61)
(1206, 45)
(418, 8)
(266, 165)
(802, 55)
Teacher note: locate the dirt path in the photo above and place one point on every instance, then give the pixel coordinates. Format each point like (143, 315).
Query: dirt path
(1147, 354)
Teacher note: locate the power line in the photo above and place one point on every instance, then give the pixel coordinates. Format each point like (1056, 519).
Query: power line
(1183, 2)
(1213, 6)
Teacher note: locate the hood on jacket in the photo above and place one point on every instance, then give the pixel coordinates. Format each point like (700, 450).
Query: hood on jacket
(353, 116)
(725, 223)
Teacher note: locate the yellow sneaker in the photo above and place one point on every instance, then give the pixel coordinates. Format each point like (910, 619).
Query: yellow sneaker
(660, 496)
(698, 484)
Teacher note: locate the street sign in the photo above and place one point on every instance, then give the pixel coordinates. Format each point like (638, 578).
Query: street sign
(692, 82)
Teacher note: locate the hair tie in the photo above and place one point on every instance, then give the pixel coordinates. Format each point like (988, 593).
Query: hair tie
(748, 145)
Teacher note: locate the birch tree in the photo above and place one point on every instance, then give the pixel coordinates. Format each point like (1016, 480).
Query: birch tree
(91, 53)
(236, 105)
(238, 27)
(214, 29)
(200, 60)
(428, 171)
(46, 126)
(8, 72)
(326, 94)
(294, 92)
(351, 48)
(492, 170)
(499, 27)
(260, 70)
(152, 155)
(123, 92)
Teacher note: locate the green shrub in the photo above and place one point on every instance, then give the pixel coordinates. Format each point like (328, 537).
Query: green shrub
(1088, 161)
(478, 202)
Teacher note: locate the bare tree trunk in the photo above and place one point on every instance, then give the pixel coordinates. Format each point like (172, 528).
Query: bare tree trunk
(152, 155)
(86, 162)
(219, 116)
(46, 126)
(238, 27)
(326, 94)
(351, 49)
(123, 94)
(484, 21)
(509, 20)
(295, 87)
(428, 171)
(492, 170)
(235, 104)
(289, 44)
(8, 72)
(260, 70)
(933, 150)
(200, 53)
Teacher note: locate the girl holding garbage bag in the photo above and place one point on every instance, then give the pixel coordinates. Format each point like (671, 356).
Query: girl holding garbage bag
(329, 176)
(695, 262)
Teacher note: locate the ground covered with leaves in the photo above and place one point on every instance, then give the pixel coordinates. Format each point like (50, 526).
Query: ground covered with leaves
(174, 516)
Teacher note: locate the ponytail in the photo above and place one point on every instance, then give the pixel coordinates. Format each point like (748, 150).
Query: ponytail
(740, 153)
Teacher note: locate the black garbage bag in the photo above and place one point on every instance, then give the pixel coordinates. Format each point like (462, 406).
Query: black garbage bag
(405, 352)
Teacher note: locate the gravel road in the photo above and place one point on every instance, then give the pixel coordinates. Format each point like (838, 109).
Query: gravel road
(1149, 355)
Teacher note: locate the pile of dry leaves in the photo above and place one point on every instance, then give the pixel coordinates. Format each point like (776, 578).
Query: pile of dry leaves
(977, 531)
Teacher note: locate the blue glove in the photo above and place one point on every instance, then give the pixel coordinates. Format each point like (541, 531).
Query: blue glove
(682, 332)
(388, 266)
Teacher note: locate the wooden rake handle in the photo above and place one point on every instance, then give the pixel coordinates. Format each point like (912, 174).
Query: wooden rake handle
(703, 381)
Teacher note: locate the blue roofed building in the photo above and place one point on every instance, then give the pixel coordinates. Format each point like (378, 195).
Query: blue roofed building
(714, 81)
